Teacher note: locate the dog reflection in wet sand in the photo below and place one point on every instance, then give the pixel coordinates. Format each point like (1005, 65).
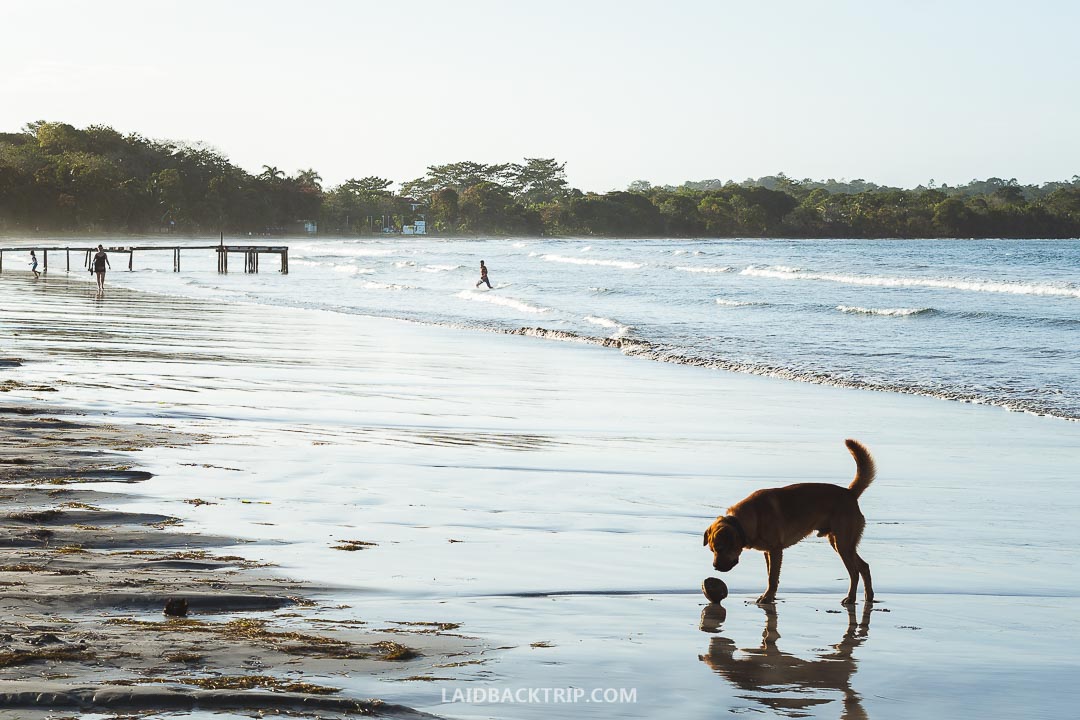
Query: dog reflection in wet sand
(786, 683)
(777, 518)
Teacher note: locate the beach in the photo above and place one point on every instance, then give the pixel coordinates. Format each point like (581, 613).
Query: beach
(525, 514)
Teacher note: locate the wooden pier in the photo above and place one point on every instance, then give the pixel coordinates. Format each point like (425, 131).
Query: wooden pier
(251, 254)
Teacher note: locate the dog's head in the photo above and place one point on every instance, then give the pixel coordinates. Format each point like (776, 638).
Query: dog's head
(726, 543)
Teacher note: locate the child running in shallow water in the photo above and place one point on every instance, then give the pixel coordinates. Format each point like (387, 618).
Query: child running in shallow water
(33, 264)
(483, 275)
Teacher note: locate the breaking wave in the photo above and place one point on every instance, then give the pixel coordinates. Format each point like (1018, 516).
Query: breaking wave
(620, 329)
(501, 300)
(305, 250)
(700, 269)
(386, 286)
(624, 264)
(995, 286)
(664, 353)
(890, 312)
(335, 267)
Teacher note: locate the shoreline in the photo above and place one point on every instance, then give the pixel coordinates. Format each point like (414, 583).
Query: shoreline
(648, 350)
(996, 388)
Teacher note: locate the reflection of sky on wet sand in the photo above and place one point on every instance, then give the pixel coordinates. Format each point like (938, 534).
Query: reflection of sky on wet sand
(576, 483)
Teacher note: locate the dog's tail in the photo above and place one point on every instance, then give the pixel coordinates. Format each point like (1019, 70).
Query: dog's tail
(864, 464)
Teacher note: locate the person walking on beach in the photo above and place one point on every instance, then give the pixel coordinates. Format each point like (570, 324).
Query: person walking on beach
(33, 264)
(100, 262)
(483, 276)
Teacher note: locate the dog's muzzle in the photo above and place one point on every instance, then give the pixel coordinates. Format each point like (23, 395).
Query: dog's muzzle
(724, 566)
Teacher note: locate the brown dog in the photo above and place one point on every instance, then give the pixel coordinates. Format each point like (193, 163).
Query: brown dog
(771, 520)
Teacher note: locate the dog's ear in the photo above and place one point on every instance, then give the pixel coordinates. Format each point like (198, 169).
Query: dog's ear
(705, 542)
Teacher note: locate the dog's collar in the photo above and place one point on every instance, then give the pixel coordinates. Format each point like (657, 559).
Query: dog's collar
(734, 522)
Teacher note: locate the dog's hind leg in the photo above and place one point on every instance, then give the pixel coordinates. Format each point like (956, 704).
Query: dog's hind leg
(846, 550)
(773, 559)
(852, 566)
(844, 540)
(856, 567)
(864, 571)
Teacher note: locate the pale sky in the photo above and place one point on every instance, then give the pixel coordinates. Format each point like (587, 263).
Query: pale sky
(897, 93)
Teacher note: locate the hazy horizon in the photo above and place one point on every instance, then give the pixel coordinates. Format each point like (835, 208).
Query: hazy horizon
(620, 91)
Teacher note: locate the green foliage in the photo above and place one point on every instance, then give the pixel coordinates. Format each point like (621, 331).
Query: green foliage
(56, 177)
(360, 205)
(489, 208)
(538, 181)
(445, 212)
(622, 214)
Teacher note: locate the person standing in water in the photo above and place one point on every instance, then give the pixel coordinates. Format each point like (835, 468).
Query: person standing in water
(33, 264)
(98, 265)
(483, 276)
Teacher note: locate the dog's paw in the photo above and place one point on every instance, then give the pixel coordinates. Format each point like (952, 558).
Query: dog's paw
(848, 601)
(766, 599)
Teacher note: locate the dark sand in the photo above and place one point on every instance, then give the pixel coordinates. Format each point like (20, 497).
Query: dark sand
(83, 586)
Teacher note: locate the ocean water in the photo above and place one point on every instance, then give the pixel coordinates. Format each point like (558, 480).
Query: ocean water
(982, 321)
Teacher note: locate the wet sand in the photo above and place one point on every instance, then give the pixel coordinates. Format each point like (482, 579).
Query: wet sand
(548, 499)
(85, 583)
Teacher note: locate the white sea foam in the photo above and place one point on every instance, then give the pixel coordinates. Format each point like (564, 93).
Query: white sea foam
(624, 264)
(360, 251)
(370, 285)
(704, 269)
(335, 267)
(601, 321)
(620, 329)
(502, 300)
(995, 286)
(352, 269)
(891, 312)
(440, 268)
(404, 264)
(339, 250)
(734, 303)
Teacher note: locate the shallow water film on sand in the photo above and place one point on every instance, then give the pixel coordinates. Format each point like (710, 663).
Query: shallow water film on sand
(529, 513)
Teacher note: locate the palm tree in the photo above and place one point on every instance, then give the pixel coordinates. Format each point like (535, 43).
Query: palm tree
(309, 178)
(271, 174)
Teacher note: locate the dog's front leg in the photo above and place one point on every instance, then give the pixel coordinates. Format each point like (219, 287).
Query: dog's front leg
(773, 558)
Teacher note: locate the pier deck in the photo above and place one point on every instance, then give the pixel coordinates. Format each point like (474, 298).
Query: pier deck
(251, 254)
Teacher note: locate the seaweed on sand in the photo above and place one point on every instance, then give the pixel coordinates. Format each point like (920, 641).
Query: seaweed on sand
(291, 642)
(11, 658)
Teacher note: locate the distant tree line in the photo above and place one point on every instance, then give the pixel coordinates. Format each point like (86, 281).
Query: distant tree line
(55, 177)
